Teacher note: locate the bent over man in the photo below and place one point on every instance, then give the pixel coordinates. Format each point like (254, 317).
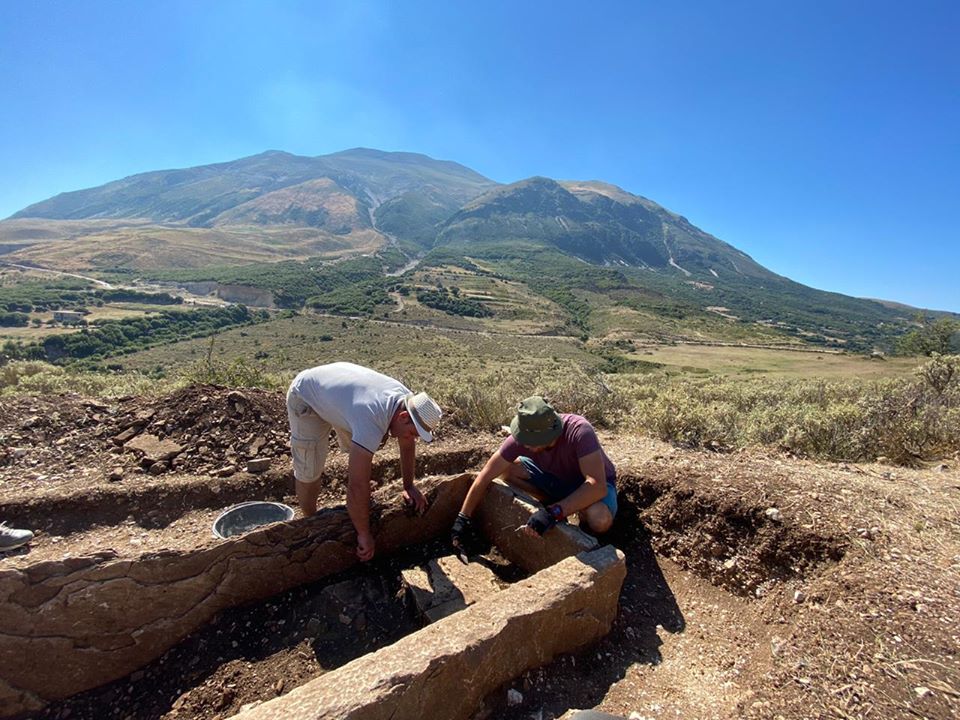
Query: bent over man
(364, 407)
(557, 459)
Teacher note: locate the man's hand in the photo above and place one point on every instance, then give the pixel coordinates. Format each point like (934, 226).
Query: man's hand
(543, 519)
(462, 535)
(414, 497)
(365, 546)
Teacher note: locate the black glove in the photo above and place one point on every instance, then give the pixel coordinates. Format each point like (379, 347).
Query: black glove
(461, 536)
(544, 519)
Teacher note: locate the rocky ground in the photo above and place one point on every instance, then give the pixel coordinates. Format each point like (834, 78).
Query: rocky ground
(758, 585)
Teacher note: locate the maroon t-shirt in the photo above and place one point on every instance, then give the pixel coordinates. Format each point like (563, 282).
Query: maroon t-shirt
(577, 439)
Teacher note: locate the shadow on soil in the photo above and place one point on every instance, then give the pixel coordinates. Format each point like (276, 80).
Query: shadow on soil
(254, 653)
(647, 605)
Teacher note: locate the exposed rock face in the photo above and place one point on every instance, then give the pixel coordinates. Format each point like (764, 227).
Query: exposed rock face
(445, 670)
(72, 625)
(245, 294)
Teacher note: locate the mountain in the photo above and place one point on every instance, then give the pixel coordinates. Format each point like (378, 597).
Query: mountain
(599, 255)
(596, 222)
(270, 188)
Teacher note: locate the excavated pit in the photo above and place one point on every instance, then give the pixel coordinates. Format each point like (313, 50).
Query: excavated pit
(256, 652)
(694, 557)
(81, 613)
(706, 603)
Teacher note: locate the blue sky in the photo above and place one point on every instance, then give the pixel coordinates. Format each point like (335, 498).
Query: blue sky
(822, 138)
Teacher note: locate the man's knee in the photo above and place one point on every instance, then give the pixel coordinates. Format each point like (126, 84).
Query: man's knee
(597, 517)
(515, 473)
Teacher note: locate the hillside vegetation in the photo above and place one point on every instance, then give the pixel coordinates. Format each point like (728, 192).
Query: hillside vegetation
(611, 261)
(482, 292)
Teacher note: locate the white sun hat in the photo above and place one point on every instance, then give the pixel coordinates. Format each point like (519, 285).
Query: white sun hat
(424, 412)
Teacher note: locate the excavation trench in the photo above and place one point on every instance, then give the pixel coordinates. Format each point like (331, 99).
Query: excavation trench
(254, 653)
(222, 625)
(75, 623)
(156, 502)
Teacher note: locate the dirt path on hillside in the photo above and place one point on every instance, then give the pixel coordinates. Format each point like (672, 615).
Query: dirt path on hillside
(35, 268)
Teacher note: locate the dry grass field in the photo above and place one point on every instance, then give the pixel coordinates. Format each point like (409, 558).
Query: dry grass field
(732, 360)
(289, 344)
(140, 246)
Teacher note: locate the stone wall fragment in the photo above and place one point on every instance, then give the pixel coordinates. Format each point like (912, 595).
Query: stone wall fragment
(446, 669)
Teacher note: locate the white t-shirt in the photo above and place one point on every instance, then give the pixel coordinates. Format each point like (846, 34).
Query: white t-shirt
(353, 398)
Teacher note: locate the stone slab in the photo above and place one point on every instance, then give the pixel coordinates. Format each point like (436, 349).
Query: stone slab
(504, 509)
(72, 625)
(445, 586)
(447, 668)
(153, 448)
(258, 465)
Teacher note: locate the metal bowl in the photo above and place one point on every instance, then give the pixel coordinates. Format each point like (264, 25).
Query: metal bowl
(248, 516)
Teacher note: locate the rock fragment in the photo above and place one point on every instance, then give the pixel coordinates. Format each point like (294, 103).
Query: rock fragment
(153, 449)
(258, 465)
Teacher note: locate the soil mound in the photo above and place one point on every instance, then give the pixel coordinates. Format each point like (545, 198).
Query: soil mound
(201, 429)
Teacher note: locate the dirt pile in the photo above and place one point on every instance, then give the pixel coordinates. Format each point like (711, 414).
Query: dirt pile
(199, 429)
(202, 429)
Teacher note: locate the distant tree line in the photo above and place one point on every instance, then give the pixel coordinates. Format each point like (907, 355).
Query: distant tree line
(137, 296)
(292, 283)
(44, 297)
(35, 296)
(113, 337)
(932, 337)
(360, 298)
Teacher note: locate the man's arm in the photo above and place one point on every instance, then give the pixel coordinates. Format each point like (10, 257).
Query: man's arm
(593, 489)
(358, 498)
(495, 467)
(594, 486)
(408, 461)
(462, 535)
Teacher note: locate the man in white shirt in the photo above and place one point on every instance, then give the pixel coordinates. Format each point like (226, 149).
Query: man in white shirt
(364, 407)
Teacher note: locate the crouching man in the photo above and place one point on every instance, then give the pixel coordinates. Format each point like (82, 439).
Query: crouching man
(555, 458)
(364, 408)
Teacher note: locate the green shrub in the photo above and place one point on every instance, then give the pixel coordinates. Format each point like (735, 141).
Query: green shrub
(41, 378)
(905, 420)
(14, 319)
(236, 373)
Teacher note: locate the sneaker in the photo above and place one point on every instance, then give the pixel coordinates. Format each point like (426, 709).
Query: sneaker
(11, 538)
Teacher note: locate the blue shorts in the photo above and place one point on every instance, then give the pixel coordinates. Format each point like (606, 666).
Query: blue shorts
(556, 489)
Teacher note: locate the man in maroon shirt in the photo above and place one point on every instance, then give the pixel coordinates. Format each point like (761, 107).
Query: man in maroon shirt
(555, 458)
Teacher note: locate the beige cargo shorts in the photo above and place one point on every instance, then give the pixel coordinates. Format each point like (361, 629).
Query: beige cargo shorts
(310, 439)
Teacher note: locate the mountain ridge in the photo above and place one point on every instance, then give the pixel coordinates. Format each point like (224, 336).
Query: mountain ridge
(196, 195)
(279, 206)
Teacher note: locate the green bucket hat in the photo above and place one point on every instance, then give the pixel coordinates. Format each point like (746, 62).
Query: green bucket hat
(536, 423)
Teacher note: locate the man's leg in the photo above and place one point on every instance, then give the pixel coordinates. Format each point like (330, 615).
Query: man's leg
(309, 444)
(307, 494)
(517, 476)
(598, 517)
